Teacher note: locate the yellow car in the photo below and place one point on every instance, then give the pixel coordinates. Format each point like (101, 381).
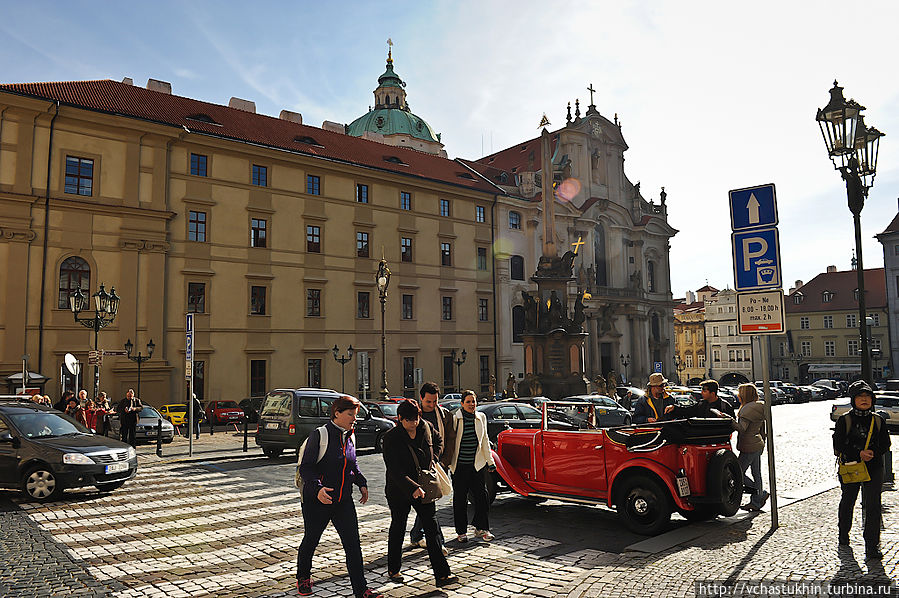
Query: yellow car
(177, 414)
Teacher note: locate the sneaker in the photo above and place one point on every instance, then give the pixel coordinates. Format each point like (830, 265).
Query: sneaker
(304, 586)
(372, 594)
(750, 507)
(484, 534)
(444, 550)
(447, 580)
(873, 554)
(461, 538)
(396, 577)
(764, 499)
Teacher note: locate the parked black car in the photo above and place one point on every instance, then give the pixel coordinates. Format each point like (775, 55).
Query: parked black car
(505, 415)
(43, 452)
(251, 406)
(608, 411)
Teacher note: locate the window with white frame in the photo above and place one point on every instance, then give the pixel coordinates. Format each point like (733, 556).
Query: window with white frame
(805, 348)
(852, 347)
(716, 355)
(687, 335)
(828, 321)
(688, 360)
(875, 317)
(830, 348)
(851, 321)
(803, 323)
(700, 358)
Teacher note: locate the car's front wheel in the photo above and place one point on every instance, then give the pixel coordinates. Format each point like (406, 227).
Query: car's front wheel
(40, 484)
(644, 505)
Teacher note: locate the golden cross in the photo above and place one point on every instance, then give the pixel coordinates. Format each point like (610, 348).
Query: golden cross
(578, 244)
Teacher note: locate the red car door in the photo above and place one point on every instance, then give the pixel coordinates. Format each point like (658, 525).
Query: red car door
(574, 460)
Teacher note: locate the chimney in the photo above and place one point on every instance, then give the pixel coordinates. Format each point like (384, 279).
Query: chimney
(831, 269)
(294, 117)
(128, 81)
(795, 287)
(160, 86)
(691, 298)
(245, 105)
(334, 127)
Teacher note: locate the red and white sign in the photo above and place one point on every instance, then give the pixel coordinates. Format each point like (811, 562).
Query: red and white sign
(761, 312)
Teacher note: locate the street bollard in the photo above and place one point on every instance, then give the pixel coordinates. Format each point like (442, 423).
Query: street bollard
(158, 437)
(888, 477)
(211, 423)
(245, 428)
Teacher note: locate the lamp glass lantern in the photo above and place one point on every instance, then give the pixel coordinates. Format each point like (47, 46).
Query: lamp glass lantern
(112, 306)
(838, 121)
(77, 301)
(101, 300)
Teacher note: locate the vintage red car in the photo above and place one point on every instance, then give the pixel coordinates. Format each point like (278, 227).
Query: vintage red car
(644, 471)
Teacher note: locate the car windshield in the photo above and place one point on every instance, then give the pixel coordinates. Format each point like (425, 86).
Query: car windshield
(388, 409)
(149, 412)
(177, 408)
(227, 405)
(529, 413)
(43, 424)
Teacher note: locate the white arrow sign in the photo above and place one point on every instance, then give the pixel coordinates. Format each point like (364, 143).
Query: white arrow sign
(753, 206)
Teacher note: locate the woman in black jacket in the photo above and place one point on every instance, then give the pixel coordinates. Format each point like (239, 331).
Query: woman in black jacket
(850, 436)
(411, 435)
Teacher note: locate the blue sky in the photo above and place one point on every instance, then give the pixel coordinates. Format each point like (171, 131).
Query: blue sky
(712, 96)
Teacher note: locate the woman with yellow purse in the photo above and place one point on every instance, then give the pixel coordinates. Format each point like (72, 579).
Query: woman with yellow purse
(860, 439)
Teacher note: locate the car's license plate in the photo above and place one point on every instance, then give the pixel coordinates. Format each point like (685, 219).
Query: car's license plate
(271, 426)
(233, 416)
(117, 467)
(683, 486)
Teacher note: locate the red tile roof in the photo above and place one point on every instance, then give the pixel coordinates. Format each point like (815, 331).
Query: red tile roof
(521, 157)
(893, 227)
(842, 285)
(707, 288)
(131, 101)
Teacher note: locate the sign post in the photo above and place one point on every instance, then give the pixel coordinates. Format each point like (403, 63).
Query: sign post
(189, 374)
(757, 278)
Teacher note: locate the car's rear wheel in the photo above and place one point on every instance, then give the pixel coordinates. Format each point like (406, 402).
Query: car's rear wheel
(379, 443)
(272, 453)
(725, 482)
(109, 487)
(40, 484)
(644, 505)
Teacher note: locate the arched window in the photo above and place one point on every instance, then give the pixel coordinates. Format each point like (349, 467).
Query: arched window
(516, 267)
(599, 256)
(517, 323)
(74, 273)
(651, 276)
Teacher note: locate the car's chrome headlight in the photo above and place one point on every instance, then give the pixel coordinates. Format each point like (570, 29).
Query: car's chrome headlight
(132, 453)
(76, 459)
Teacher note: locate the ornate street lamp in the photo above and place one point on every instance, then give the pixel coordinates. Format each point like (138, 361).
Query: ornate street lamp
(106, 306)
(382, 278)
(853, 148)
(680, 366)
(625, 361)
(459, 363)
(342, 360)
(139, 358)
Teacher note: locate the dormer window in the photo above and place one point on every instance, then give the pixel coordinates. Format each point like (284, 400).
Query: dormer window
(826, 297)
(307, 140)
(797, 298)
(394, 160)
(202, 118)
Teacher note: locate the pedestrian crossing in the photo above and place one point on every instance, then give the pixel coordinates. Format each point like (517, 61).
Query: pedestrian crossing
(181, 530)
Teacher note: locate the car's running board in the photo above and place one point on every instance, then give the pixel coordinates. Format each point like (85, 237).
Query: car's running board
(566, 498)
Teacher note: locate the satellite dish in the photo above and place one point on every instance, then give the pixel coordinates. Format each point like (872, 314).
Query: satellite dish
(72, 364)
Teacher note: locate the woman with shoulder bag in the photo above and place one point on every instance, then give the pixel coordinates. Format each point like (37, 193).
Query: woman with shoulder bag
(861, 436)
(409, 449)
(750, 427)
(471, 458)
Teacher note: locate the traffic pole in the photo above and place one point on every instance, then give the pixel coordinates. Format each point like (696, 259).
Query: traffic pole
(772, 478)
(158, 437)
(245, 430)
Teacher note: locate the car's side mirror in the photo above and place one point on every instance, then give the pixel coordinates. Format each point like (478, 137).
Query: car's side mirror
(6, 437)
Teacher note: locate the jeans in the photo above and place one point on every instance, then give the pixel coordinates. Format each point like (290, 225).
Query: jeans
(870, 503)
(753, 461)
(399, 514)
(466, 478)
(315, 519)
(418, 529)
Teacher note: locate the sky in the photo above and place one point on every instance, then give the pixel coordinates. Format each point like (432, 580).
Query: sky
(712, 95)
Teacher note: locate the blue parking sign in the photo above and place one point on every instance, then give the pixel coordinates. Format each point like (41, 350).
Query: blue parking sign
(756, 259)
(657, 367)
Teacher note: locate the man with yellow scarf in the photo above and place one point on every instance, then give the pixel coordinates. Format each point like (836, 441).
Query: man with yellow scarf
(651, 407)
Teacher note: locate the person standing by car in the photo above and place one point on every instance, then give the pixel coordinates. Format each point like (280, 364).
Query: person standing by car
(751, 434)
(860, 435)
(653, 406)
(710, 402)
(198, 416)
(64, 401)
(470, 460)
(102, 407)
(409, 447)
(129, 408)
(441, 421)
(328, 496)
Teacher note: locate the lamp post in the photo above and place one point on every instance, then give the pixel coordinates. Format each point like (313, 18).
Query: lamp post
(139, 359)
(625, 361)
(459, 363)
(382, 278)
(106, 305)
(853, 149)
(680, 366)
(342, 360)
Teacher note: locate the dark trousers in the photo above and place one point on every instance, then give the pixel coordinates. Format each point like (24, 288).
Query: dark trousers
(466, 478)
(316, 517)
(399, 514)
(129, 430)
(418, 530)
(870, 503)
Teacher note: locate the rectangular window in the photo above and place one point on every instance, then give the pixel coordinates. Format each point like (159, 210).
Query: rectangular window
(714, 331)
(314, 373)
(408, 309)
(803, 323)
(852, 347)
(257, 378)
(701, 359)
(828, 321)
(716, 355)
(446, 254)
(313, 186)
(782, 350)
(785, 373)
(688, 360)
(406, 249)
(79, 176)
(361, 193)
(805, 348)
(484, 372)
(257, 301)
(687, 336)
(445, 208)
(514, 220)
(875, 343)
(408, 372)
(731, 330)
(482, 310)
(200, 379)
(361, 244)
(875, 317)
(448, 385)
(313, 302)
(830, 348)
(196, 297)
(895, 249)
(447, 308)
(405, 200)
(260, 175)
(257, 232)
(313, 239)
(851, 320)
(482, 258)
(731, 355)
(196, 226)
(198, 164)
(363, 304)
(480, 214)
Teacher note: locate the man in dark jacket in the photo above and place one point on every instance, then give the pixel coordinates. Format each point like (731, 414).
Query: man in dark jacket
(851, 444)
(704, 408)
(653, 406)
(129, 412)
(441, 421)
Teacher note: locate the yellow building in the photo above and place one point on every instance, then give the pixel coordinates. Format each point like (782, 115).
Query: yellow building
(268, 230)
(689, 337)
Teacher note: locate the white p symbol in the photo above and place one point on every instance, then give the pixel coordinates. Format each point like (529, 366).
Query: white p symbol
(748, 254)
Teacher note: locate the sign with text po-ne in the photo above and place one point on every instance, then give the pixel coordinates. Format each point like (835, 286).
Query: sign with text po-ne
(760, 312)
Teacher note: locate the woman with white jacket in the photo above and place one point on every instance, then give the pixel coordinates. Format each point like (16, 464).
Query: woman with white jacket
(470, 459)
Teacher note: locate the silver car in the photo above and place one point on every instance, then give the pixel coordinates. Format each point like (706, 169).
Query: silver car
(886, 403)
(146, 426)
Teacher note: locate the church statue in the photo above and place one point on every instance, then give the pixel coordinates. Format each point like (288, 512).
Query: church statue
(604, 319)
(510, 387)
(577, 321)
(611, 383)
(492, 389)
(599, 385)
(542, 316)
(636, 280)
(556, 311)
(530, 312)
